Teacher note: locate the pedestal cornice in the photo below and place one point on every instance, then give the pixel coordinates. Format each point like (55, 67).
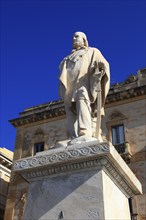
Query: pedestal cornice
(90, 155)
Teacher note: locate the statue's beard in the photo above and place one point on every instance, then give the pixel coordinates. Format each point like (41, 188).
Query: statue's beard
(77, 45)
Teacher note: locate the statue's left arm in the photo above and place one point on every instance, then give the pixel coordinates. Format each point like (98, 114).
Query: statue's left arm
(97, 58)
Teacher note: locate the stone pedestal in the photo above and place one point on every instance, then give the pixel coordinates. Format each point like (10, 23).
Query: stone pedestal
(82, 181)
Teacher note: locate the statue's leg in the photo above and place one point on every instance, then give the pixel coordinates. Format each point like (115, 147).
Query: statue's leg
(84, 117)
(71, 122)
(83, 111)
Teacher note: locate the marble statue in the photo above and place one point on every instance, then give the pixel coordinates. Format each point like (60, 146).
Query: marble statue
(84, 84)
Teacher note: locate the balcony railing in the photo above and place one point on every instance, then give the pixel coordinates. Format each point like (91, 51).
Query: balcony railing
(120, 148)
(124, 151)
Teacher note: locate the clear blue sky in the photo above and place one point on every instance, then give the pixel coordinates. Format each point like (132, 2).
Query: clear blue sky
(37, 34)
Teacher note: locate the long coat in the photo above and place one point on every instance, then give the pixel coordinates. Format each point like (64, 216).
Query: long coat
(87, 70)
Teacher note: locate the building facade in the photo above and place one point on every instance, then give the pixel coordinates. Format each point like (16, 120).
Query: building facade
(39, 128)
(6, 157)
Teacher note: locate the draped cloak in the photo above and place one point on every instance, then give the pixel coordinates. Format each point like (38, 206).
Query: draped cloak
(68, 90)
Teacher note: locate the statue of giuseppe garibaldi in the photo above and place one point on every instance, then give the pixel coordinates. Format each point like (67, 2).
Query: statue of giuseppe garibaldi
(84, 83)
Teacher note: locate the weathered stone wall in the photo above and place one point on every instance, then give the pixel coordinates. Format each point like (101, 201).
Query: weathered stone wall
(45, 131)
(138, 166)
(133, 116)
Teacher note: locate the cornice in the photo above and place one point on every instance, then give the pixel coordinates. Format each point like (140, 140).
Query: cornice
(126, 94)
(35, 117)
(56, 109)
(77, 157)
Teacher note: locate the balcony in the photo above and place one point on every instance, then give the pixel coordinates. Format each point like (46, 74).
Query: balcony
(124, 150)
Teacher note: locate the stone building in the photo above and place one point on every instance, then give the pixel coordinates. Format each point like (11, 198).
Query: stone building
(124, 124)
(6, 157)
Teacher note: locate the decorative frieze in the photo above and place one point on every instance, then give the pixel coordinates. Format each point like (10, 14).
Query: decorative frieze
(66, 155)
(90, 155)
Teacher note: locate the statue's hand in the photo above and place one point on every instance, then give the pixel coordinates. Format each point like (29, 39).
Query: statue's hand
(98, 70)
(97, 75)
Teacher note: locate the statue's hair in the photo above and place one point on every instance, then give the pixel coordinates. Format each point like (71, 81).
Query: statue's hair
(84, 38)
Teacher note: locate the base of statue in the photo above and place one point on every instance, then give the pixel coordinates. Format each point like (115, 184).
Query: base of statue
(75, 141)
(80, 181)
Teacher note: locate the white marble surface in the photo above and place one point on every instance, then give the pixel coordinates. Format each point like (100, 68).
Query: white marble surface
(82, 195)
(116, 204)
(78, 196)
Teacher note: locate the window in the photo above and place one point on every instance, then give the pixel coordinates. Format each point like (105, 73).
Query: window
(118, 136)
(38, 147)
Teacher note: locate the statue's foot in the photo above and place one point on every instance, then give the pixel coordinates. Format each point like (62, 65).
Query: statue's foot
(77, 140)
(81, 139)
(84, 132)
(61, 144)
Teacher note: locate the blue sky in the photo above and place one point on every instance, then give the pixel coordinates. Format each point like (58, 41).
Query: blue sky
(37, 34)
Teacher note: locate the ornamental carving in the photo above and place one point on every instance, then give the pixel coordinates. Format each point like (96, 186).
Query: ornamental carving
(117, 115)
(99, 156)
(39, 131)
(61, 156)
(99, 163)
(130, 79)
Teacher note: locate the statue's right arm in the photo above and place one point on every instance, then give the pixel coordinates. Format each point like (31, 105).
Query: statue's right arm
(62, 79)
(61, 64)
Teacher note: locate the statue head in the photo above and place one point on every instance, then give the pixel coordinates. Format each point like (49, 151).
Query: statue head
(79, 40)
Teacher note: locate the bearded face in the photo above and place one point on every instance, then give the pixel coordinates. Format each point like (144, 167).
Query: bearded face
(78, 40)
